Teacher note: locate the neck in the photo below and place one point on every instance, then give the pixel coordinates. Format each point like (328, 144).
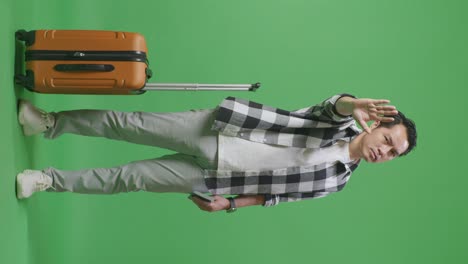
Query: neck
(354, 150)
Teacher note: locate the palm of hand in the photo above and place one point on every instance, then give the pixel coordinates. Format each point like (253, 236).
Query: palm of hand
(366, 110)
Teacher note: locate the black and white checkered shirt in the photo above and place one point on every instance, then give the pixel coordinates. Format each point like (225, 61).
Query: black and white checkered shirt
(319, 126)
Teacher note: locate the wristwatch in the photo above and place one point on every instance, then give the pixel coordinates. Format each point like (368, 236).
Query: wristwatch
(233, 207)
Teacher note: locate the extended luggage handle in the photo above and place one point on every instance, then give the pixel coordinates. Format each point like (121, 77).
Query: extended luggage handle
(200, 87)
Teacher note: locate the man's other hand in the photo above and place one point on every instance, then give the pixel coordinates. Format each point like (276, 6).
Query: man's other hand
(219, 203)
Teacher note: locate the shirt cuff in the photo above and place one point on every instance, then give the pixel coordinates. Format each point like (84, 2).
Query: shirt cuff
(334, 104)
(271, 200)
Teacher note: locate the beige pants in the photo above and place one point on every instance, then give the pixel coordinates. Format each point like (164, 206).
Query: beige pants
(187, 133)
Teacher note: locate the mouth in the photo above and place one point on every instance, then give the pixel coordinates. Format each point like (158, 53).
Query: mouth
(373, 156)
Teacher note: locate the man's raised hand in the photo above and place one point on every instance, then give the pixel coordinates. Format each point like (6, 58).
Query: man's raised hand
(364, 110)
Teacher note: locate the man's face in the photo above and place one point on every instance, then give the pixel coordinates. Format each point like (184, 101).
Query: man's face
(384, 144)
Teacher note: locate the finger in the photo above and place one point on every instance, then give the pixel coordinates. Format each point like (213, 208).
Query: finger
(390, 113)
(385, 107)
(387, 119)
(364, 126)
(199, 201)
(202, 205)
(382, 118)
(194, 200)
(380, 101)
(386, 112)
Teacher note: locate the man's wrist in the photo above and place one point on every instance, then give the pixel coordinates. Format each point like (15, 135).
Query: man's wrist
(232, 205)
(345, 105)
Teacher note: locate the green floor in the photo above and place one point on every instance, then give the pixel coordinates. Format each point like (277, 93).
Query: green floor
(413, 210)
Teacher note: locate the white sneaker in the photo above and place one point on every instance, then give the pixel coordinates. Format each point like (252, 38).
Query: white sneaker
(31, 181)
(33, 119)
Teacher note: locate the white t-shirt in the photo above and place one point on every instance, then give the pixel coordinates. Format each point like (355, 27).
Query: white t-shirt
(238, 154)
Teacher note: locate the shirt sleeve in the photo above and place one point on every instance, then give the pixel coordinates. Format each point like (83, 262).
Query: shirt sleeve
(275, 199)
(271, 200)
(326, 110)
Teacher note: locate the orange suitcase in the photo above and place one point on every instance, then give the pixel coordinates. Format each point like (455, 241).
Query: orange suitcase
(94, 62)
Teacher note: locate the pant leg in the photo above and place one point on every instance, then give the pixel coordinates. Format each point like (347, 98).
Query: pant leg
(184, 132)
(172, 173)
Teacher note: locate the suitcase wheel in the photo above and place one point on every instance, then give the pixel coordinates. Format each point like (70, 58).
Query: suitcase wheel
(27, 36)
(25, 80)
(20, 79)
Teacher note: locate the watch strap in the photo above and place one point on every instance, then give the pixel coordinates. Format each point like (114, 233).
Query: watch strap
(232, 207)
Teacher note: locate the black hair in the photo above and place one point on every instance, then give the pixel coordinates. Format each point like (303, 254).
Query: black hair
(400, 118)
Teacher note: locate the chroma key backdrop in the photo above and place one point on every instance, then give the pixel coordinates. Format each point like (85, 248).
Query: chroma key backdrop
(411, 210)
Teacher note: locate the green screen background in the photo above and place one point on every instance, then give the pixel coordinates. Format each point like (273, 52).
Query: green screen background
(412, 210)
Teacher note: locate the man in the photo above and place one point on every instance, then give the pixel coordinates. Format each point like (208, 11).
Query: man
(260, 154)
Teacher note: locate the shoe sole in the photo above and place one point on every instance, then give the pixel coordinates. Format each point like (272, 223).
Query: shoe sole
(19, 190)
(21, 113)
(26, 130)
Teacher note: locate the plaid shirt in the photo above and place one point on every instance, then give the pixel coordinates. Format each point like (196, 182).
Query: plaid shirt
(318, 126)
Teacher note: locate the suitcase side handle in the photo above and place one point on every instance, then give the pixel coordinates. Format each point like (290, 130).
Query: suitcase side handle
(84, 67)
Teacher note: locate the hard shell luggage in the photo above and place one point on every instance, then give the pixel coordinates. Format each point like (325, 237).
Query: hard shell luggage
(94, 62)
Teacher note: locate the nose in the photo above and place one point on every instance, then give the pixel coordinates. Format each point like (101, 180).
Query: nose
(383, 151)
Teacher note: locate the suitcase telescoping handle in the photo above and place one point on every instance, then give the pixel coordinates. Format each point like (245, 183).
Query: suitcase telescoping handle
(200, 87)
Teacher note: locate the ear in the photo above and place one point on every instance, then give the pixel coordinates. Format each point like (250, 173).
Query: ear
(375, 125)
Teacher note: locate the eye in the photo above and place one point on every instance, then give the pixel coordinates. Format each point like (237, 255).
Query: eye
(386, 139)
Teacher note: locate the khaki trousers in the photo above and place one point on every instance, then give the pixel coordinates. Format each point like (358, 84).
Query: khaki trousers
(188, 133)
